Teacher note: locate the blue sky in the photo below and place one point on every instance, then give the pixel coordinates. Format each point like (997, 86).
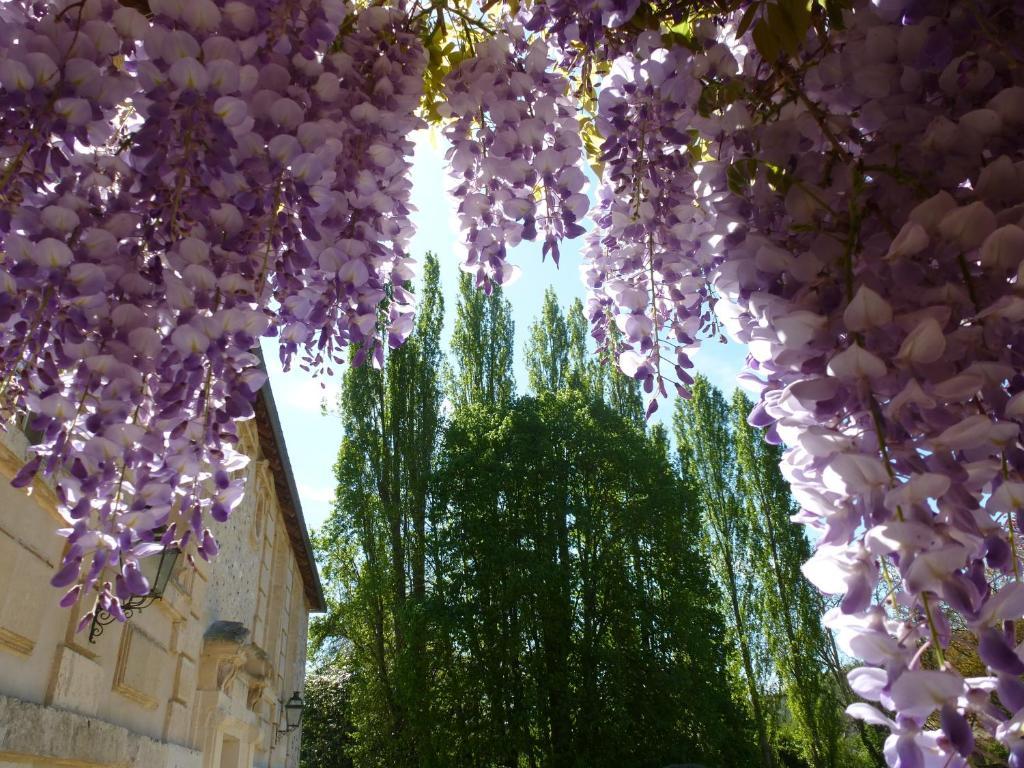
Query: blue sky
(313, 438)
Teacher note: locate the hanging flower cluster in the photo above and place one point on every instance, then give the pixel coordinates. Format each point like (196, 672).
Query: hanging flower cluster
(880, 301)
(643, 258)
(862, 227)
(515, 155)
(173, 187)
(577, 28)
(846, 199)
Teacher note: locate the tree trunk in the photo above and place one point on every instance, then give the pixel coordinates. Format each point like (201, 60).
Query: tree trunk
(767, 759)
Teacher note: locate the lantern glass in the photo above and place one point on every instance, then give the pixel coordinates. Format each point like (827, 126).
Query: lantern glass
(293, 711)
(159, 569)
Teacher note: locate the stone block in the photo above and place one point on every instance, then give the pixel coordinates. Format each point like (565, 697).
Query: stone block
(190, 638)
(177, 723)
(140, 664)
(20, 617)
(39, 735)
(184, 680)
(175, 602)
(76, 682)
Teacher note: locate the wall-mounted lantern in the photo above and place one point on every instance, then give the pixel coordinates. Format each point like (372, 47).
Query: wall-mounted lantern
(292, 713)
(292, 716)
(158, 572)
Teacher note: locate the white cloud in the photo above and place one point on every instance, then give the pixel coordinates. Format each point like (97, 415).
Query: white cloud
(316, 503)
(315, 494)
(297, 390)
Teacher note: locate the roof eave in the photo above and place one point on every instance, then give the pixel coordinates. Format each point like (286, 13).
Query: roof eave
(272, 443)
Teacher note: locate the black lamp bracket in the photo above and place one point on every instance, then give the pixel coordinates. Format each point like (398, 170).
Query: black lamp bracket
(130, 606)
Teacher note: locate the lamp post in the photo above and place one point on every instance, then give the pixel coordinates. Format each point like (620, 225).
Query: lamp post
(158, 581)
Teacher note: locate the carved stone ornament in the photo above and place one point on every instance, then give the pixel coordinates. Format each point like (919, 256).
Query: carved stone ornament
(226, 645)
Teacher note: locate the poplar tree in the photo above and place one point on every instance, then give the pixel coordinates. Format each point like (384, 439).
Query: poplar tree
(482, 347)
(547, 351)
(528, 584)
(789, 608)
(479, 637)
(583, 368)
(583, 600)
(374, 544)
(557, 357)
(707, 459)
(633, 558)
(786, 662)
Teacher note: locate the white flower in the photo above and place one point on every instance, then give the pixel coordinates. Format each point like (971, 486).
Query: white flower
(924, 344)
(866, 310)
(855, 362)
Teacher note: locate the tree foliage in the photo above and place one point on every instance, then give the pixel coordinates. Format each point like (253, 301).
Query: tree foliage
(784, 660)
(568, 616)
(326, 727)
(376, 541)
(482, 348)
(581, 598)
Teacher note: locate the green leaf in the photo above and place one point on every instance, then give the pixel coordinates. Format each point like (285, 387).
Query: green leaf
(782, 27)
(747, 20)
(684, 28)
(778, 179)
(766, 41)
(799, 14)
(740, 175)
(592, 145)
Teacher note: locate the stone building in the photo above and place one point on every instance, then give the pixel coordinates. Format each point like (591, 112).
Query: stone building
(199, 678)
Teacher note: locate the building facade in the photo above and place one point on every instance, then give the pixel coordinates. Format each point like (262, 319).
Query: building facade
(199, 678)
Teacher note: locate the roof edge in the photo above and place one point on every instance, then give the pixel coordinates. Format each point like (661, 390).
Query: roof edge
(272, 443)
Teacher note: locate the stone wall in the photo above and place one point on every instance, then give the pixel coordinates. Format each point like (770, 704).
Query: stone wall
(168, 688)
(33, 729)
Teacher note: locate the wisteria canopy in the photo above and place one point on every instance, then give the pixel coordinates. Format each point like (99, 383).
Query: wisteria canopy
(840, 186)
